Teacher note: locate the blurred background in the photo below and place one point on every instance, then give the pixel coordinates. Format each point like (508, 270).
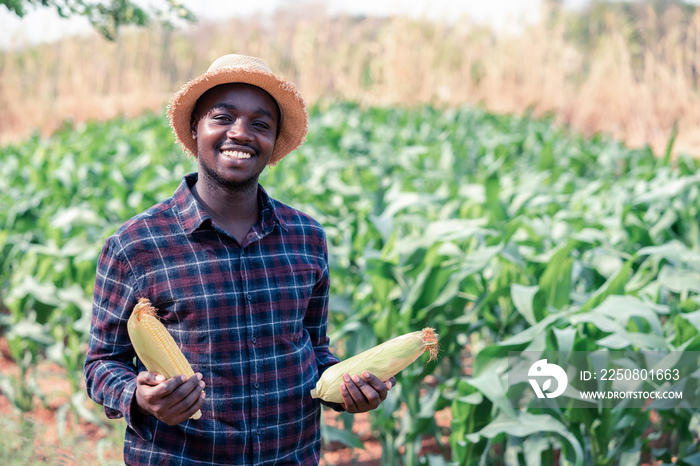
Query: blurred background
(628, 69)
(517, 174)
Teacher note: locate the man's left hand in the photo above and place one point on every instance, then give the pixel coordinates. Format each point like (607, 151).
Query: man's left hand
(362, 394)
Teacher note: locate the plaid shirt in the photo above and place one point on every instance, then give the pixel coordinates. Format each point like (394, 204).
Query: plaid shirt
(250, 317)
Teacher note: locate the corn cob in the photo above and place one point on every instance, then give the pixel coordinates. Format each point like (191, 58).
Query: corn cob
(384, 361)
(154, 346)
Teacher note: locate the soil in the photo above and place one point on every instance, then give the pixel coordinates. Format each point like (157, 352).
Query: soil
(337, 454)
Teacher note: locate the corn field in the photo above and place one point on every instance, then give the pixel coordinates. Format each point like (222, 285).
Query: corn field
(501, 232)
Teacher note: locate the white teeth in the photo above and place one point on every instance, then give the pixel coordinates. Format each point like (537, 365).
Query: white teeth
(234, 154)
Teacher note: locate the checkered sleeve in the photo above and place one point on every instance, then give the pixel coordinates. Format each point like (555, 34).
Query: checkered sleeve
(110, 373)
(316, 317)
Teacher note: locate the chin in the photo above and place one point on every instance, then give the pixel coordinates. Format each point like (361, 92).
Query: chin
(228, 183)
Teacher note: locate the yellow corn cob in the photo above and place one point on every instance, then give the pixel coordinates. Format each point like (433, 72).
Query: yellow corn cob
(384, 361)
(154, 346)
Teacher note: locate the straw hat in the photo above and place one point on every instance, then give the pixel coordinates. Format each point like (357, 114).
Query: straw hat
(242, 69)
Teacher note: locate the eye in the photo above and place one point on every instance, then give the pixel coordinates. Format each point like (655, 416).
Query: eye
(219, 114)
(261, 124)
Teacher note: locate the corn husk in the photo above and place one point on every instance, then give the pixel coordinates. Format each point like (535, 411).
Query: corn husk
(155, 346)
(384, 361)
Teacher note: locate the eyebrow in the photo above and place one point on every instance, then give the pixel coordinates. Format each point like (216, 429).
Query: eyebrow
(231, 107)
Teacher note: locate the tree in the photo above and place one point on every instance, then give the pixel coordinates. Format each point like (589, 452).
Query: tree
(107, 16)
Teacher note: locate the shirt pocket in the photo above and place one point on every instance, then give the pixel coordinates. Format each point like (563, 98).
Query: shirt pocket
(294, 287)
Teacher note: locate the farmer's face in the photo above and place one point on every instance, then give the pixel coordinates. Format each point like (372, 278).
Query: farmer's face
(235, 127)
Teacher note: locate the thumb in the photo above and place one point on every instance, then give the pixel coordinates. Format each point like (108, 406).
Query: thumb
(150, 378)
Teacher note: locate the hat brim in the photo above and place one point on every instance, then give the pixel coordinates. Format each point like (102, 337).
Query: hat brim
(295, 119)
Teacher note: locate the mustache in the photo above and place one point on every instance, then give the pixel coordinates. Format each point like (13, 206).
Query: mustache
(239, 147)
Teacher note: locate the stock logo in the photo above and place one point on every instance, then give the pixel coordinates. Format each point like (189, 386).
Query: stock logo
(541, 369)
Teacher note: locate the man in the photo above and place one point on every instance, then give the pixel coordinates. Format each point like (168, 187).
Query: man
(239, 279)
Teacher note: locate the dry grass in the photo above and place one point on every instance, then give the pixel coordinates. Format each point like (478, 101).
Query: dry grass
(629, 79)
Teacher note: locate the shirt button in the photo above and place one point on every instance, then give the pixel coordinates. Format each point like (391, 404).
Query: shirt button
(248, 297)
(258, 431)
(257, 385)
(253, 339)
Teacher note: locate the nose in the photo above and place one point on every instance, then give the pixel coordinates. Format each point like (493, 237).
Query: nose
(238, 131)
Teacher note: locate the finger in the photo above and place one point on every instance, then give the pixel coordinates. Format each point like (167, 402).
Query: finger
(166, 398)
(353, 389)
(371, 396)
(190, 403)
(391, 383)
(188, 413)
(149, 378)
(169, 386)
(376, 383)
(348, 401)
(185, 388)
(365, 397)
(158, 398)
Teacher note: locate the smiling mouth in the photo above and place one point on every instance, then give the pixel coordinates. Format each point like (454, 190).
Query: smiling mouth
(236, 154)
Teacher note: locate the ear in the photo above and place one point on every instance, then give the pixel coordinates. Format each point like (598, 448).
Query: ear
(194, 119)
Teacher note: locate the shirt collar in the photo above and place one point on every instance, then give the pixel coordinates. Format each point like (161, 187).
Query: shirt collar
(193, 216)
(269, 213)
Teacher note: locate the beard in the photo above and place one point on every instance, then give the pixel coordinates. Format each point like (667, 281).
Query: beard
(234, 186)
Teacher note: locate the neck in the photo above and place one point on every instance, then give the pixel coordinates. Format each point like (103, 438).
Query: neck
(227, 204)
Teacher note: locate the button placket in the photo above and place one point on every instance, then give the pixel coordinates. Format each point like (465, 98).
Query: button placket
(257, 395)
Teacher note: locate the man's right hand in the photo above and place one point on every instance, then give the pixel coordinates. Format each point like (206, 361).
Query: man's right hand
(171, 401)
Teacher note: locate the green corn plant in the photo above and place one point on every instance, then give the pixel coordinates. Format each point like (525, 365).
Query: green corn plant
(503, 233)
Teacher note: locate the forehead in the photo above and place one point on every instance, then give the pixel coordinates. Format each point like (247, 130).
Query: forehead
(239, 95)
